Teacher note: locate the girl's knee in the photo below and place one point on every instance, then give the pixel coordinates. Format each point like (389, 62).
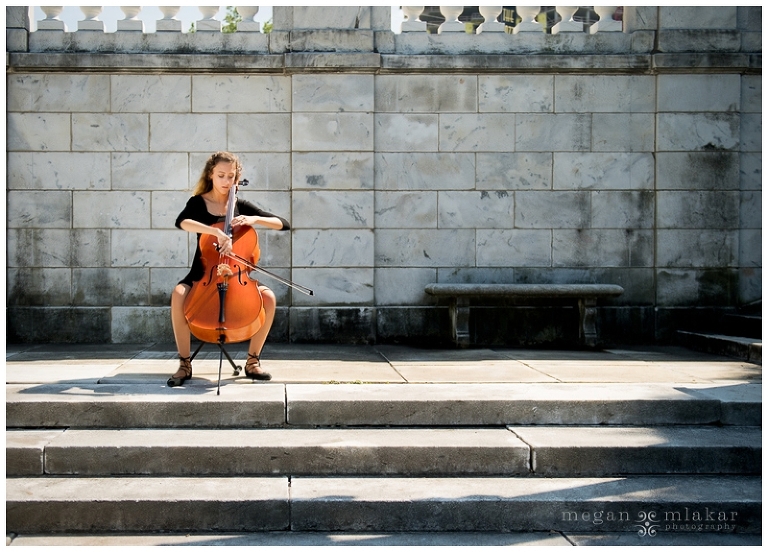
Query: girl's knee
(268, 297)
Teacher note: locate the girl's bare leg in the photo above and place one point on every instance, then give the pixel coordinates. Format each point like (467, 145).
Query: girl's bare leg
(270, 303)
(253, 364)
(181, 332)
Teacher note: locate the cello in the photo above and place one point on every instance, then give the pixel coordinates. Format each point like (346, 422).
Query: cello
(226, 305)
(216, 311)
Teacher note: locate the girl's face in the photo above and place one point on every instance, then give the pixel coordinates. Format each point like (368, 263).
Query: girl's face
(223, 176)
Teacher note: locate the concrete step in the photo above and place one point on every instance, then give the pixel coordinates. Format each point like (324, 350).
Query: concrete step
(744, 348)
(371, 405)
(636, 504)
(516, 451)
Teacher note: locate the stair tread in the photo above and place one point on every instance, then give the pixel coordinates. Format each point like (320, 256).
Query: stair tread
(676, 488)
(550, 436)
(519, 450)
(382, 404)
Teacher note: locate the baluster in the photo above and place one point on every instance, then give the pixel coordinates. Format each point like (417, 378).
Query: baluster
(91, 21)
(249, 23)
(566, 23)
(606, 23)
(131, 22)
(490, 23)
(451, 23)
(412, 21)
(208, 23)
(528, 23)
(169, 21)
(51, 21)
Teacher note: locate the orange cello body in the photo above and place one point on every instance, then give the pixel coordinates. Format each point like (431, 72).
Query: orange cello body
(226, 305)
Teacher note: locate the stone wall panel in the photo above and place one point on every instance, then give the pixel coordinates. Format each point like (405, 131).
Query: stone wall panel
(109, 132)
(477, 132)
(149, 171)
(150, 94)
(241, 94)
(39, 209)
(268, 132)
(751, 171)
(330, 170)
(334, 93)
(42, 287)
(111, 209)
(552, 209)
(553, 132)
(605, 94)
(686, 248)
(751, 132)
(342, 286)
(406, 132)
(718, 170)
(416, 94)
(694, 209)
(58, 171)
(332, 248)
(58, 93)
(697, 131)
(424, 248)
(717, 93)
(635, 132)
(476, 209)
(514, 171)
(516, 93)
(93, 287)
(148, 248)
(602, 247)
(38, 132)
(603, 171)
(514, 248)
(620, 209)
(405, 209)
(332, 209)
(332, 132)
(199, 133)
(58, 248)
(403, 286)
(424, 171)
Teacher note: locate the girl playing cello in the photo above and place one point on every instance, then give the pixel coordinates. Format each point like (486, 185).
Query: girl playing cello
(207, 207)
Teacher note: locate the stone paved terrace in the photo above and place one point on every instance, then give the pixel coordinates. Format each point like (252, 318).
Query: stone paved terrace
(342, 383)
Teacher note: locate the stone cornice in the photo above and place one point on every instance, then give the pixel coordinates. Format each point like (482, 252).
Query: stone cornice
(383, 63)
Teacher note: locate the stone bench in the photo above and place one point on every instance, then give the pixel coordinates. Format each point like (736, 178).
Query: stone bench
(586, 294)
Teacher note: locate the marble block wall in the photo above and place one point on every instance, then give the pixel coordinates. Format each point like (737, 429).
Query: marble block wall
(390, 181)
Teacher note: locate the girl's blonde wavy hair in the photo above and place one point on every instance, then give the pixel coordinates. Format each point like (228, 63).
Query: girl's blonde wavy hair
(205, 183)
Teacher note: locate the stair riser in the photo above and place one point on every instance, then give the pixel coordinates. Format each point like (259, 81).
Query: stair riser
(454, 461)
(449, 414)
(143, 515)
(465, 514)
(519, 515)
(136, 504)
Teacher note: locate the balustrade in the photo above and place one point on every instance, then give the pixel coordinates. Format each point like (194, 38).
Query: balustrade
(169, 22)
(439, 20)
(551, 20)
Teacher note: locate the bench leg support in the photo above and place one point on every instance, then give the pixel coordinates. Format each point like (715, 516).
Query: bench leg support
(459, 312)
(587, 318)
